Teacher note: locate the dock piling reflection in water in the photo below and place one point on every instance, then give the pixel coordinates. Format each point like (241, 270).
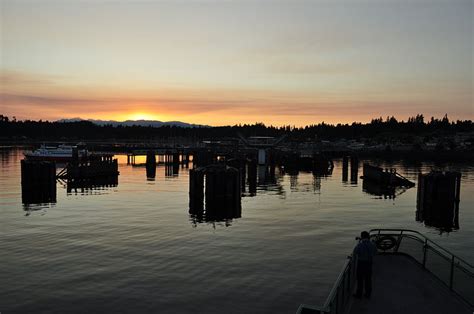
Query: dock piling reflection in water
(438, 199)
(38, 182)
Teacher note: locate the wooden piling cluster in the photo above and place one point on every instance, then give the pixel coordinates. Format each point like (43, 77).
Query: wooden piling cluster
(252, 176)
(241, 165)
(38, 182)
(345, 168)
(203, 157)
(221, 192)
(150, 164)
(438, 199)
(322, 165)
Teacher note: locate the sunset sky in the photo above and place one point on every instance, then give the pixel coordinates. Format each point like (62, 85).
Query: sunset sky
(227, 62)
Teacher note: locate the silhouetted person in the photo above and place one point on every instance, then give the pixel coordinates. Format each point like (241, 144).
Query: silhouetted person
(364, 253)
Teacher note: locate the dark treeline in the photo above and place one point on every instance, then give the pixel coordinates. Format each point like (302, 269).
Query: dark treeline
(386, 129)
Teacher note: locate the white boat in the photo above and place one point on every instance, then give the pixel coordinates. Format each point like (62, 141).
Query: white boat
(62, 153)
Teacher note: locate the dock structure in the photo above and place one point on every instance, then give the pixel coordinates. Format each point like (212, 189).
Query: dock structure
(411, 274)
(317, 163)
(438, 199)
(94, 166)
(162, 156)
(386, 177)
(222, 193)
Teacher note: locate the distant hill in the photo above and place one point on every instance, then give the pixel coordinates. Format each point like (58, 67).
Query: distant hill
(146, 123)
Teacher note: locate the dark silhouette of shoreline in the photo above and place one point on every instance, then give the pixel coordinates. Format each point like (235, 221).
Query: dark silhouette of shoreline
(380, 137)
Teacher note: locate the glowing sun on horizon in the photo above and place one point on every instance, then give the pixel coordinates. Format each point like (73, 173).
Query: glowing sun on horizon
(142, 116)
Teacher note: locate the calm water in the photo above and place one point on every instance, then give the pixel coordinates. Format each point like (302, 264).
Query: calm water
(134, 248)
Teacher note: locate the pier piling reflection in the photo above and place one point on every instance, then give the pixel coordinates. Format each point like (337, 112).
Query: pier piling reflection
(438, 198)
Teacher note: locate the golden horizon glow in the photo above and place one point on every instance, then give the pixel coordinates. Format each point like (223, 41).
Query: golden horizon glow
(142, 116)
(236, 62)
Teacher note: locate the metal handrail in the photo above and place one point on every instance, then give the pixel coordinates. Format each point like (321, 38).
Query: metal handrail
(333, 294)
(455, 261)
(326, 308)
(425, 238)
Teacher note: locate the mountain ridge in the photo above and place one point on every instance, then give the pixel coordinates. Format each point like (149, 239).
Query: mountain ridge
(144, 123)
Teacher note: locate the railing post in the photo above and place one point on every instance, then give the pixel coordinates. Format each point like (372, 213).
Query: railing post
(452, 273)
(425, 247)
(349, 279)
(343, 288)
(400, 236)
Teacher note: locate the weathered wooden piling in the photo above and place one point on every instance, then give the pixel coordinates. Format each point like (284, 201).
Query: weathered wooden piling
(196, 190)
(202, 158)
(438, 199)
(243, 175)
(222, 192)
(354, 169)
(252, 176)
(240, 164)
(345, 168)
(38, 182)
(131, 159)
(186, 160)
(150, 164)
(272, 172)
(322, 165)
(176, 158)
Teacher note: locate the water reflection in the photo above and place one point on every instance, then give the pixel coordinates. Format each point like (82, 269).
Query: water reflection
(383, 192)
(91, 186)
(38, 185)
(263, 178)
(276, 181)
(172, 170)
(354, 169)
(440, 218)
(38, 198)
(438, 200)
(215, 215)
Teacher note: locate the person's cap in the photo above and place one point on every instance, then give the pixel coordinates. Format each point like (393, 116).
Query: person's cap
(364, 235)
